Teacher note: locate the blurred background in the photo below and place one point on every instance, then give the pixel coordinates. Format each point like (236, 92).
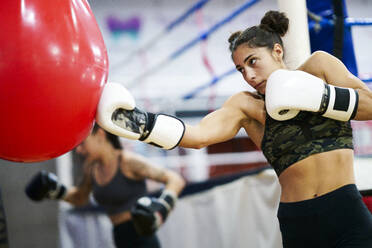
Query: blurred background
(173, 56)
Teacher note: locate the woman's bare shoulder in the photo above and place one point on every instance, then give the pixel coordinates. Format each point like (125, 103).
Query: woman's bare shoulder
(315, 63)
(244, 97)
(129, 156)
(133, 164)
(251, 104)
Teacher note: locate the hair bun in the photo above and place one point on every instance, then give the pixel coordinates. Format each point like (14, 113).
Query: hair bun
(233, 36)
(275, 22)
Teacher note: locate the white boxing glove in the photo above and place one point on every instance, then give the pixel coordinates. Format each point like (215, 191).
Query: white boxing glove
(288, 92)
(117, 114)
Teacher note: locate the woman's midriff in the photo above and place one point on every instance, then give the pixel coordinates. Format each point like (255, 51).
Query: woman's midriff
(317, 175)
(120, 217)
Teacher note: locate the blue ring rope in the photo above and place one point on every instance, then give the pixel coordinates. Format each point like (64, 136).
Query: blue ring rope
(358, 22)
(204, 35)
(349, 22)
(162, 34)
(214, 81)
(191, 10)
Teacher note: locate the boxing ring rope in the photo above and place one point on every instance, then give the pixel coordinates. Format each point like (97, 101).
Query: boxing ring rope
(204, 35)
(320, 22)
(212, 82)
(151, 42)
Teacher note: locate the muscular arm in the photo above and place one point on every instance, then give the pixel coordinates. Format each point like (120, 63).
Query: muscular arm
(142, 168)
(224, 123)
(335, 72)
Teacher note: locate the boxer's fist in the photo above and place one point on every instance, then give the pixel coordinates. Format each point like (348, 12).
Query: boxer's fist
(45, 185)
(117, 114)
(288, 92)
(149, 214)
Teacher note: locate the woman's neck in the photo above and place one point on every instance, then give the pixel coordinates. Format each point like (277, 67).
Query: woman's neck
(110, 158)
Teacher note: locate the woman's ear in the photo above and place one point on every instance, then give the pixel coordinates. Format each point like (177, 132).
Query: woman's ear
(277, 52)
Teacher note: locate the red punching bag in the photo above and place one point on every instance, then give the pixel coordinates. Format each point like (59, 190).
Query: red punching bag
(368, 201)
(53, 65)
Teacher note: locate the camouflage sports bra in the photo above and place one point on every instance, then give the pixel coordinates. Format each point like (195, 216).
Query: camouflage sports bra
(287, 142)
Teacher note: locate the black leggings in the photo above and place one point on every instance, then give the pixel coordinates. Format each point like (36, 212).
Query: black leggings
(337, 219)
(125, 236)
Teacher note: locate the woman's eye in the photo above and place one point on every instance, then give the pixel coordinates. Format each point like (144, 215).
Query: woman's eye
(252, 61)
(241, 70)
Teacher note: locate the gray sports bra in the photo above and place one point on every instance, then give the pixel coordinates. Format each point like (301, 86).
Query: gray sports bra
(120, 194)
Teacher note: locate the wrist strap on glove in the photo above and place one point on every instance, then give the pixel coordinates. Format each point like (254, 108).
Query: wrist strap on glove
(164, 131)
(168, 198)
(339, 103)
(58, 190)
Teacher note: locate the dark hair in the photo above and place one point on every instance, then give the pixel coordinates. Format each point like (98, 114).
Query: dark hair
(113, 139)
(273, 26)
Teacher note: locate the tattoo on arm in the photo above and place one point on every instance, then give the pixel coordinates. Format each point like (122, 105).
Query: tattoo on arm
(143, 170)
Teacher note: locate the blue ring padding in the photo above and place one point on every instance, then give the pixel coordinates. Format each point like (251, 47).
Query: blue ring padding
(322, 23)
(326, 35)
(191, 10)
(205, 34)
(214, 80)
